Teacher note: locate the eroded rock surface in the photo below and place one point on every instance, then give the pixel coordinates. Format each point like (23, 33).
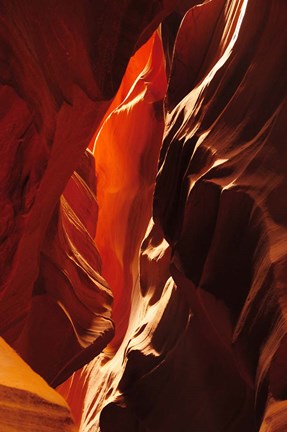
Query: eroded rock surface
(27, 403)
(61, 64)
(205, 342)
(192, 248)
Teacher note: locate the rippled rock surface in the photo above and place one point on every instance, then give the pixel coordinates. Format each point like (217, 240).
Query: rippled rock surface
(144, 277)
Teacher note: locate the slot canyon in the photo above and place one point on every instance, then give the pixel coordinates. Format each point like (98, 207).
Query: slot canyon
(143, 235)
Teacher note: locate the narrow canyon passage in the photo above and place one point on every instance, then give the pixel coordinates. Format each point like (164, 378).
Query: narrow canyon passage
(143, 232)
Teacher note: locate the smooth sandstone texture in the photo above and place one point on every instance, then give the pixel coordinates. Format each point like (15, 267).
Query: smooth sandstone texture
(70, 296)
(153, 264)
(27, 403)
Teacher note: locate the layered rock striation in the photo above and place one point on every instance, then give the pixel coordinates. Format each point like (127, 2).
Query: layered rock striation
(145, 277)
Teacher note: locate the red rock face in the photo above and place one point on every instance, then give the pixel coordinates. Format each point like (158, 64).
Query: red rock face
(147, 274)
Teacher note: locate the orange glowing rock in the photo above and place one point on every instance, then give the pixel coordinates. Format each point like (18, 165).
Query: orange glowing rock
(126, 154)
(146, 277)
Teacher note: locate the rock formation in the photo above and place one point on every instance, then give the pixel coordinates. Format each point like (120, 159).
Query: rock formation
(27, 403)
(143, 215)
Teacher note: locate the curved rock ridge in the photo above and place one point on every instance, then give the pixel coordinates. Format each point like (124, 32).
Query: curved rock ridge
(145, 276)
(205, 344)
(224, 215)
(69, 288)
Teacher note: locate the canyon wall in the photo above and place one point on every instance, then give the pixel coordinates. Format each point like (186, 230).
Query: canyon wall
(143, 214)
